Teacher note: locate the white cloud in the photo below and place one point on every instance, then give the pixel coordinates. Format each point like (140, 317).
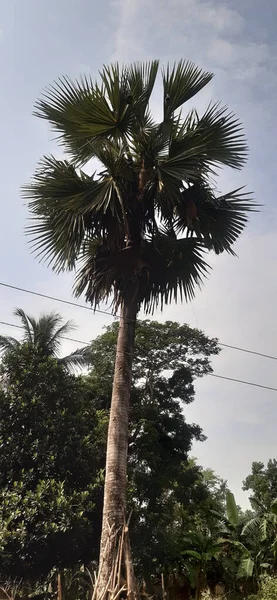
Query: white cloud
(205, 31)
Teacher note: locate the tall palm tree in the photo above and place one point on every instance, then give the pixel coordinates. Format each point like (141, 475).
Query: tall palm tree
(137, 230)
(45, 334)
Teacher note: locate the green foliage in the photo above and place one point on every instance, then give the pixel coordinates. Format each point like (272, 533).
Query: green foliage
(268, 589)
(262, 483)
(50, 484)
(44, 335)
(53, 423)
(42, 527)
(152, 211)
(232, 509)
(185, 523)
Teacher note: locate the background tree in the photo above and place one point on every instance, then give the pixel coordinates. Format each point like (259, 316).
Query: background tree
(141, 225)
(51, 459)
(262, 483)
(168, 357)
(51, 432)
(44, 335)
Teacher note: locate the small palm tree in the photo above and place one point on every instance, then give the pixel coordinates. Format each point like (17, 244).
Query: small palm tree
(136, 231)
(45, 335)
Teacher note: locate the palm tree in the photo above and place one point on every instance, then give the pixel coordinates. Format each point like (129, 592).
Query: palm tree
(137, 230)
(45, 335)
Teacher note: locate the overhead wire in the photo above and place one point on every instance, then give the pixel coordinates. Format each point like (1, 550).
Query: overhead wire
(114, 315)
(258, 385)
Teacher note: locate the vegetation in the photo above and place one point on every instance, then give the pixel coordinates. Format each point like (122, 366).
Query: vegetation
(137, 230)
(44, 335)
(189, 537)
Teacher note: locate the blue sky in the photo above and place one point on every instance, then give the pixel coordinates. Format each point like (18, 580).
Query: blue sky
(41, 40)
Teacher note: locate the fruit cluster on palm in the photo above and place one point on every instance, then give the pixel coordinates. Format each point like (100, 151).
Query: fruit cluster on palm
(137, 230)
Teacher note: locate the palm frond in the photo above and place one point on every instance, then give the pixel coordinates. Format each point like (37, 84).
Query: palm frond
(52, 330)
(216, 138)
(65, 210)
(78, 359)
(141, 80)
(174, 268)
(112, 156)
(43, 333)
(112, 272)
(217, 221)
(8, 343)
(221, 134)
(81, 113)
(189, 165)
(165, 269)
(181, 83)
(27, 323)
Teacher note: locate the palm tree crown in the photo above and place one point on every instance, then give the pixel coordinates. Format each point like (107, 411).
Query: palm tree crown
(152, 210)
(45, 335)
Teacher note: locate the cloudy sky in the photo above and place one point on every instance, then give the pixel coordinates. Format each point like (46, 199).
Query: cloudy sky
(43, 39)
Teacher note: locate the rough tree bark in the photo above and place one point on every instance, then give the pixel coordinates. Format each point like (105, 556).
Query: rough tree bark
(114, 509)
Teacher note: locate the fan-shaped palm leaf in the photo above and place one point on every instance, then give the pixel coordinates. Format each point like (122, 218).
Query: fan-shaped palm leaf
(181, 83)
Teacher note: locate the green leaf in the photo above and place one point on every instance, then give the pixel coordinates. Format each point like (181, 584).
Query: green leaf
(251, 526)
(181, 83)
(246, 567)
(65, 210)
(273, 507)
(81, 113)
(221, 133)
(217, 221)
(192, 553)
(232, 510)
(174, 268)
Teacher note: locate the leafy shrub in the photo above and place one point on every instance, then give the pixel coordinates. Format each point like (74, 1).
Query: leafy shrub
(269, 589)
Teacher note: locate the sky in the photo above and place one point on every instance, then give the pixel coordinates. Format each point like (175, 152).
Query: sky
(42, 40)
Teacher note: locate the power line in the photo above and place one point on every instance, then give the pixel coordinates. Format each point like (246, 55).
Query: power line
(33, 293)
(265, 387)
(248, 351)
(103, 312)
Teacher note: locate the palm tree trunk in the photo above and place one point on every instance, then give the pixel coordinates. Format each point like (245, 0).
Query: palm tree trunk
(114, 510)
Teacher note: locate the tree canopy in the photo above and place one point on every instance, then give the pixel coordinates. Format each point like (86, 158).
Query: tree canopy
(49, 482)
(152, 210)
